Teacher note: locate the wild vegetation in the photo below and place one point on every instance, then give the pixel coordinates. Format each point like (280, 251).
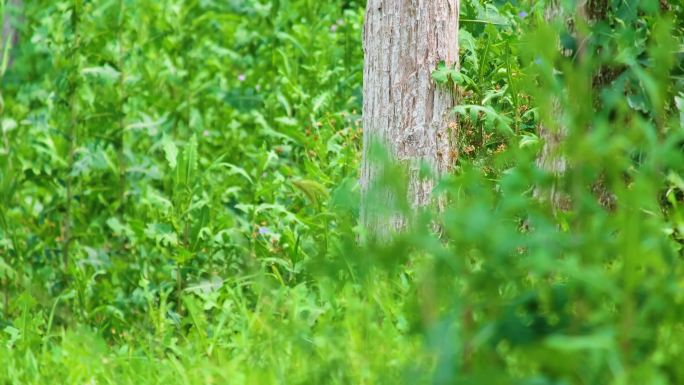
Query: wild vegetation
(179, 200)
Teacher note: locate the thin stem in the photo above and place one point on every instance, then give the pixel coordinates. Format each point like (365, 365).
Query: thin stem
(71, 137)
(514, 93)
(481, 76)
(122, 113)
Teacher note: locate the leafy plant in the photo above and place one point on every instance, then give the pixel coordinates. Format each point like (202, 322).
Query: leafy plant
(179, 201)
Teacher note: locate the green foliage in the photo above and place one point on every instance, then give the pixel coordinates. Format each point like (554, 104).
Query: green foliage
(179, 201)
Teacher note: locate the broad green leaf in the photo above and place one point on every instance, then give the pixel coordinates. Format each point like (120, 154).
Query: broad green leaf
(170, 151)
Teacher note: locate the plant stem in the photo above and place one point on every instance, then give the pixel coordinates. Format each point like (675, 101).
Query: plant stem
(122, 114)
(514, 93)
(71, 133)
(480, 94)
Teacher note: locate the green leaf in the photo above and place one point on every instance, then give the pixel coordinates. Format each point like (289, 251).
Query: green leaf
(233, 169)
(106, 73)
(313, 190)
(493, 119)
(119, 228)
(287, 121)
(593, 342)
(679, 102)
(186, 171)
(8, 125)
(528, 140)
(170, 151)
(162, 234)
(14, 335)
(320, 101)
(443, 74)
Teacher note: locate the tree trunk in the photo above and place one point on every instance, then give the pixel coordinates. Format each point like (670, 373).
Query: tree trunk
(551, 159)
(9, 31)
(403, 108)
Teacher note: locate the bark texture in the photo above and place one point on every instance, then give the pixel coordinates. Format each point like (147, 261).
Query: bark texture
(403, 108)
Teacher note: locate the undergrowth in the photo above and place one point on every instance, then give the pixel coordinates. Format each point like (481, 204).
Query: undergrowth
(179, 196)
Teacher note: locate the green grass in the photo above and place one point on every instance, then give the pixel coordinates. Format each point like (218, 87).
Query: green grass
(179, 202)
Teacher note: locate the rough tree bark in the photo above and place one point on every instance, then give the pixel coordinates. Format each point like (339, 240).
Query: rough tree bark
(403, 108)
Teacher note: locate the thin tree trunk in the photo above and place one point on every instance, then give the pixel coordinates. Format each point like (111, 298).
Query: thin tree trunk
(403, 108)
(550, 158)
(9, 31)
